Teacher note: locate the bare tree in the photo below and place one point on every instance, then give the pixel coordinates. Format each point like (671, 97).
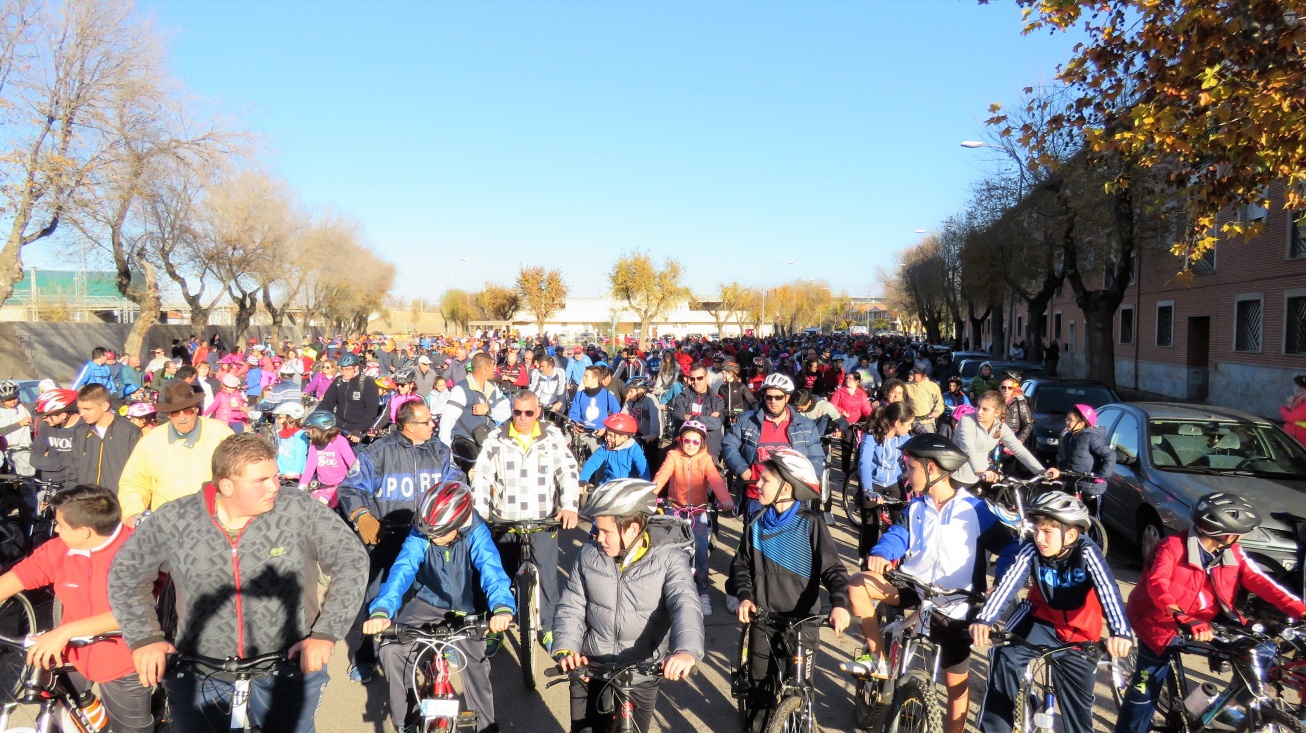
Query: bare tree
(63, 65)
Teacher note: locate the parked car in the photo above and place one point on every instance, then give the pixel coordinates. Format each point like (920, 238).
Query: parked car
(969, 367)
(1050, 399)
(28, 391)
(1168, 455)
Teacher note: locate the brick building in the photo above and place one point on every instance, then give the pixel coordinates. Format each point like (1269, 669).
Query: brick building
(1234, 337)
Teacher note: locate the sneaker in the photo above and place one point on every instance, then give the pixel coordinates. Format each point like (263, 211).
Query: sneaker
(706, 603)
(546, 641)
(871, 666)
(493, 643)
(732, 604)
(361, 673)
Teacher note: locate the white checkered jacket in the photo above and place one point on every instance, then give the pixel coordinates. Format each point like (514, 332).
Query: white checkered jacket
(524, 486)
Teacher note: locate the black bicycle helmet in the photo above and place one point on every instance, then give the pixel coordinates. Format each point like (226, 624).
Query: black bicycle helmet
(1062, 507)
(406, 375)
(1223, 513)
(348, 359)
(936, 448)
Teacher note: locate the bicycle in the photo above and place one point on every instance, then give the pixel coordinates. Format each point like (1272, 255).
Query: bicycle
(433, 668)
(244, 670)
(690, 513)
(526, 585)
(1257, 660)
(852, 482)
(620, 678)
(795, 709)
(1008, 498)
(909, 693)
(1036, 686)
(54, 693)
(1097, 530)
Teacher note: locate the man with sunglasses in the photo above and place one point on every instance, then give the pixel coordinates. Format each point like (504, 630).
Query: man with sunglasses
(756, 434)
(378, 496)
(526, 471)
(701, 404)
(174, 461)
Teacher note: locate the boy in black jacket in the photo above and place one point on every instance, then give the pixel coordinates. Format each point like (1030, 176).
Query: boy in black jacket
(786, 555)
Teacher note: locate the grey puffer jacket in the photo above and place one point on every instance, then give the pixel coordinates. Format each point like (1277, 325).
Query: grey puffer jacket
(981, 446)
(611, 616)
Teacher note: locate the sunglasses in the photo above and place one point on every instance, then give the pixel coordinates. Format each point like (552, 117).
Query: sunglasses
(523, 413)
(775, 397)
(1006, 389)
(187, 411)
(697, 379)
(427, 421)
(690, 441)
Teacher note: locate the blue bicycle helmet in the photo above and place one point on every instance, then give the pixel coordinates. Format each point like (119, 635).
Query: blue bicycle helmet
(320, 419)
(349, 359)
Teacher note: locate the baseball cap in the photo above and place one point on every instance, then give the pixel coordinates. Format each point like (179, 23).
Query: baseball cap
(920, 369)
(423, 359)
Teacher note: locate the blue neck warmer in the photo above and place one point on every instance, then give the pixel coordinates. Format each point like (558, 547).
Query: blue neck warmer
(773, 520)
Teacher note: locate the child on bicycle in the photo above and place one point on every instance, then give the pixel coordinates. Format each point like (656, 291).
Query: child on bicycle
(1084, 448)
(880, 470)
(1073, 591)
(330, 456)
(447, 554)
(1190, 580)
(88, 521)
(620, 456)
(943, 541)
(292, 442)
(630, 596)
(786, 555)
(686, 475)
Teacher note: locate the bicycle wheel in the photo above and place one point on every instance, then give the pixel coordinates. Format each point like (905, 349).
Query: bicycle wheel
(851, 506)
(1097, 533)
(869, 703)
(1271, 719)
(1119, 672)
(916, 706)
(529, 625)
(792, 715)
(1025, 705)
(17, 619)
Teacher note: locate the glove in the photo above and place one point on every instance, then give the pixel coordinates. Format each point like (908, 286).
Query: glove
(1191, 625)
(368, 528)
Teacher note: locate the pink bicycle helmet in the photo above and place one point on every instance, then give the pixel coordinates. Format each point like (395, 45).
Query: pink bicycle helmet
(1088, 413)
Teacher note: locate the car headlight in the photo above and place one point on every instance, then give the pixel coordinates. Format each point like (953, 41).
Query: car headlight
(1048, 441)
(1258, 536)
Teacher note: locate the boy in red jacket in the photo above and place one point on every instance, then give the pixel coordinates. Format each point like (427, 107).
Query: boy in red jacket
(1190, 580)
(88, 520)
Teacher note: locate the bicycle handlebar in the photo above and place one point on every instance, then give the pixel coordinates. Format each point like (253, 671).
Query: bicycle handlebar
(473, 627)
(526, 526)
(779, 621)
(897, 578)
(1001, 637)
(27, 642)
(254, 666)
(648, 668)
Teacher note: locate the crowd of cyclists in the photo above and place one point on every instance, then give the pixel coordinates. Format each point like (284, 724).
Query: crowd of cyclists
(293, 496)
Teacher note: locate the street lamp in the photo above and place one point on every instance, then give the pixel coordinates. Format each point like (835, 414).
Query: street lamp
(972, 144)
(764, 274)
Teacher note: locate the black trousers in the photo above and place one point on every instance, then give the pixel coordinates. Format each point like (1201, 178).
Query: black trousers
(593, 709)
(870, 530)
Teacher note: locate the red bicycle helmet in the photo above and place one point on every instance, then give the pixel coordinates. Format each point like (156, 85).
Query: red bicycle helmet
(621, 423)
(444, 508)
(56, 401)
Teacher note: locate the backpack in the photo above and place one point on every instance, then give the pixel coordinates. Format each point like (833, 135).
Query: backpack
(664, 529)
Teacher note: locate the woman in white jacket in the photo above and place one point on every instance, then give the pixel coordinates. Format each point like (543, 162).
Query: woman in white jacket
(979, 435)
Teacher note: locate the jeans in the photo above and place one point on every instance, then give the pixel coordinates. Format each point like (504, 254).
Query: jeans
(702, 531)
(200, 703)
(1150, 671)
(1072, 674)
(128, 705)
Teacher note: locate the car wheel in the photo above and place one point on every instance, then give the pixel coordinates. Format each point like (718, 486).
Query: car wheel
(1150, 534)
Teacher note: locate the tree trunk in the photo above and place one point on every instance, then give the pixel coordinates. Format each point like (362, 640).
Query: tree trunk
(1098, 342)
(997, 332)
(150, 304)
(977, 325)
(246, 306)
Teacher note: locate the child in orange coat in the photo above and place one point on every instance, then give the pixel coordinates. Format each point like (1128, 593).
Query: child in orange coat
(687, 474)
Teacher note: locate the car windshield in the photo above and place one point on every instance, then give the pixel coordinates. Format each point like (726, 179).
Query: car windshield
(1225, 447)
(1059, 398)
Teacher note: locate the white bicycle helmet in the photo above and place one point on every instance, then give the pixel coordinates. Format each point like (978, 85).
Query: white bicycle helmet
(623, 497)
(778, 381)
(797, 470)
(292, 410)
(1062, 507)
(8, 389)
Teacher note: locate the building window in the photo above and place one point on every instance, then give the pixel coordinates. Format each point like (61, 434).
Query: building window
(1056, 326)
(1294, 341)
(1127, 325)
(1165, 324)
(1204, 265)
(1247, 324)
(1297, 233)
(1248, 213)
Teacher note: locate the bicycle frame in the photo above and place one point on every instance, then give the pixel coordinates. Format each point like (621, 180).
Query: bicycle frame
(50, 689)
(796, 680)
(438, 702)
(621, 678)
(244, 670)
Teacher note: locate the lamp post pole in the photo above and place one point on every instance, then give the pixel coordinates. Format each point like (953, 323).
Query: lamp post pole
(761, 326)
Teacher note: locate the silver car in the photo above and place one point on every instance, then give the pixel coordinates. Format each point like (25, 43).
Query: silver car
(1168, 455)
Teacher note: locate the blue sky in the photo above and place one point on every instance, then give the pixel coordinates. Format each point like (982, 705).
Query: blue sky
(731, 135)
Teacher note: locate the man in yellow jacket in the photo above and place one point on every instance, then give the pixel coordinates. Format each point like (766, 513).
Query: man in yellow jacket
(173, 461)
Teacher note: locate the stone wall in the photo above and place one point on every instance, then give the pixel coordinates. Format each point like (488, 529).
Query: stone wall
(58, 350)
